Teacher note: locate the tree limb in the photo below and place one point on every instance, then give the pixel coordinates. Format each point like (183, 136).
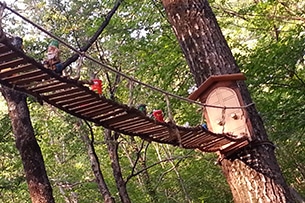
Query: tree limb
(96, 35)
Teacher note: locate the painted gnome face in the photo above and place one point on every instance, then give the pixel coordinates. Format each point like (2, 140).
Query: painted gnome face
(53, 51)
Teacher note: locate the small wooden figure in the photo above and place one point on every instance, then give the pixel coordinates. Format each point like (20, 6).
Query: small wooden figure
(97, 86)
(142, 108)
(158, 115)
(53, 58)
(18, 43)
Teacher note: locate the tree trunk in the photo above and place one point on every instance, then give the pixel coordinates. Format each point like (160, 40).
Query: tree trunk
(112, 146)
(253, 172)
(32, 160)
(95, 165)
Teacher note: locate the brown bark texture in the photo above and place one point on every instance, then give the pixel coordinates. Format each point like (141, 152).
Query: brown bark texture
(26, 143)
(95, 166)
(112, 146)
(253, 172)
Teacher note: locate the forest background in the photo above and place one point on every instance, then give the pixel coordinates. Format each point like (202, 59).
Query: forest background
(267, 40)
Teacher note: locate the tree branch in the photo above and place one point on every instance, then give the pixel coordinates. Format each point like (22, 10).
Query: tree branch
(154, 164)
(96, 35)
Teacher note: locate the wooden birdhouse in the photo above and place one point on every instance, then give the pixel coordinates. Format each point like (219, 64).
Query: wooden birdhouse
(223, 98)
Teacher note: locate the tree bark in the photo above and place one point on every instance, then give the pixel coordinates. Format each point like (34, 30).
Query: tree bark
(26, 143)
(95, 165)
(112, 146)
(253, 172)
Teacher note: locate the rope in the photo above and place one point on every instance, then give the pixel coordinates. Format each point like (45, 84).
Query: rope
(119, 72)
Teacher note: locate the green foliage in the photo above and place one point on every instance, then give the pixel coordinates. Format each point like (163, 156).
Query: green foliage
(11, 170)
(139, 42)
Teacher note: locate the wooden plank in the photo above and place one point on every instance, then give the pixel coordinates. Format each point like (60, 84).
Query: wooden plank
(24, 75)
(96, 112)
(109, 114)
(99, 111)
(152, 130)
(79, 103)
(195, 135)
(119, 119)
(7, 56)
(33, 79)
(4, 48)
(140, 126)
(73, 100)
(213, 143)
(185, 135)
(133, 124)
(22, 68)
(31, 85)
(235, 146)
(12, 64)
(42, 85)
(64, 92)
(160, 134)
(84, 106)
(130, 121)
(93, 107)
(52, 88)
(68, 96)
(198, 139)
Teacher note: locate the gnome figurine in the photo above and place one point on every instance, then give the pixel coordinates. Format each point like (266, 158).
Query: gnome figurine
(18, 43)
(158, 115)
(53, 60)
(142, 108)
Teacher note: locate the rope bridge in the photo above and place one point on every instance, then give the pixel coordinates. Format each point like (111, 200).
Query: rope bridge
(22, 73)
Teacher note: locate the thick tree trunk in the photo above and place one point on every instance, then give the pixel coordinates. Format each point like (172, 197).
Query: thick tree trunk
(112, 146)
(252, 173)
(32, 160)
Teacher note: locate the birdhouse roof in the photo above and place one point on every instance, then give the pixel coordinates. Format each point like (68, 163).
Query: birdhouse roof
(212, 80)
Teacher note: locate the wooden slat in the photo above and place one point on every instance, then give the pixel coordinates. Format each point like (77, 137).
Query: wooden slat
(152, 130)
(140, 126)
(186, 136)
(22, 68)
(80, 103)
(64, 92)
(235, 146)
(206, 137)
(198, 140)
(100, 111)
(33, 79)
(120, 119)
(84, 106)
(52, 88)
(68, 96)
(42, 85)
(73, 100)
(24, 75)
(7, 56)
(4, 48)
(12, 64)
(133, 122)
(91, 108)
(109, 114)
(212, 143)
